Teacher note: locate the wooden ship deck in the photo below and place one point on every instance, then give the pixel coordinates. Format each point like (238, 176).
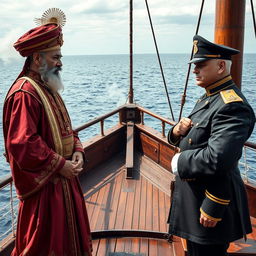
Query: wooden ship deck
(126, 186)
(126, 181)
(127, 194)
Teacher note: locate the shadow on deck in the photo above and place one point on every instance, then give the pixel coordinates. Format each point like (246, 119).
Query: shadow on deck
(128, 207)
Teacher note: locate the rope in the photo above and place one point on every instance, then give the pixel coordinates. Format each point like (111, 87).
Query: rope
(130, 95)
(183, 99)
(253, 17)
(159, 59)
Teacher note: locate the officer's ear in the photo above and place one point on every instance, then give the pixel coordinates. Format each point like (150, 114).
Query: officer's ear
(222, 66)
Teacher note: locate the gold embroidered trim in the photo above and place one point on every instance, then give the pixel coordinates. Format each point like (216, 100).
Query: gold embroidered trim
(78, 145)
(68, 146)
(209, 88)
(70, 215)
(229, 96)
(216, 199)
(49, 169)
(52, 120)
(212, 55)
(208, 216)
(36, 45)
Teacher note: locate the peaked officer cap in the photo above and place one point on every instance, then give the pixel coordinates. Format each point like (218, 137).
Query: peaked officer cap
(205, 50)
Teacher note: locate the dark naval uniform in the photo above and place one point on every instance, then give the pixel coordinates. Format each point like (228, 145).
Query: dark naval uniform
(208, 179)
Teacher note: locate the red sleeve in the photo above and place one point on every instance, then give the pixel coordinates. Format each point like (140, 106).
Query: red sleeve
(78, 145)
(24, 145)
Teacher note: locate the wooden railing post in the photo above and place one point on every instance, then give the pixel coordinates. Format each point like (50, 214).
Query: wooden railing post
(163, 129)
(142, 117)
(102, 127)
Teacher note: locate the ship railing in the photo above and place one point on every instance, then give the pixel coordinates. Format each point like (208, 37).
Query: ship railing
(10, 209)
(249, 153)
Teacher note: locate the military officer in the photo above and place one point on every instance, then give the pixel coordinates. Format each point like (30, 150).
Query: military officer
(209, 206)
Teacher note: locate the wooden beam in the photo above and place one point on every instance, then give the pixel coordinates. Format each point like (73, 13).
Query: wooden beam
(229, 30)
(130, 150)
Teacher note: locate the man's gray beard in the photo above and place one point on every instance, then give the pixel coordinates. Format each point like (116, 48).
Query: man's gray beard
(51, 77)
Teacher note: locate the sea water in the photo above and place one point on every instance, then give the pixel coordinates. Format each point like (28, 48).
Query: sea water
(95, 85)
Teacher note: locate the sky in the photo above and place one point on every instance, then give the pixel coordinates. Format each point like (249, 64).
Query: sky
(102, 26)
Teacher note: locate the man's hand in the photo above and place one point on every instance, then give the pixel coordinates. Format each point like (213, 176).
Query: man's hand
(74, 167)
(182, 127)
(207, 223)
(78, 161)
(69, 170)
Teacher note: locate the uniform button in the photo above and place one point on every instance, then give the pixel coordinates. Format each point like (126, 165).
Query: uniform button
(190, 141)
(206, 102)
(196, 124)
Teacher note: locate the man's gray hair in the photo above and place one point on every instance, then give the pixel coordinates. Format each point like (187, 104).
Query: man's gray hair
(228, 65)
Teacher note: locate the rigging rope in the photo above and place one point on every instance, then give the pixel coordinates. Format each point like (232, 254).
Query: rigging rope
(253, 17)
(130, 95)
(183, 99)
(159, 59)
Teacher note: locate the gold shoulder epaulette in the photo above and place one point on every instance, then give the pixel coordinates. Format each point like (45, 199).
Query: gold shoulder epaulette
(230, 96)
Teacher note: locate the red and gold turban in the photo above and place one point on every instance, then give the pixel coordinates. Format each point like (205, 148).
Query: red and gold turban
(44, 38)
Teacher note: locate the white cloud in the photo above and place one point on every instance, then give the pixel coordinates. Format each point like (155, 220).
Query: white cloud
(7, 51)
(102, 26)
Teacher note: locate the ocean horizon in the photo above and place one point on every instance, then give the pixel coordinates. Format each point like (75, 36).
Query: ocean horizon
(97, 84)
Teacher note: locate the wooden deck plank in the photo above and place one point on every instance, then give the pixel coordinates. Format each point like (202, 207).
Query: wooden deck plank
(136, 209)
(162, 212)
(153, 246)
(242, 247)
(95, 245)
(103, 247)
(167, 206)
(115, 200)
(111, 245)
(121, 208)
(97, 209)
(120, 244)
(144, 246)
(130, 186)
(104, 207)
(90, 204)
(118, 203)
(135, 245)
(177, 246)
(155, 208)
(143, 205)
(149, 211)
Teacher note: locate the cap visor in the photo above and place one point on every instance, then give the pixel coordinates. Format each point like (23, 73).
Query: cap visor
(196, 60)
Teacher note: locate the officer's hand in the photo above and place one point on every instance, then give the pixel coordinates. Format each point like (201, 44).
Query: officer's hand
(69, 170)
(207, 223)
(182, 127)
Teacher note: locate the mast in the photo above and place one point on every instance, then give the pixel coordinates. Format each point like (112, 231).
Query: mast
(130, 95)
(229, 30)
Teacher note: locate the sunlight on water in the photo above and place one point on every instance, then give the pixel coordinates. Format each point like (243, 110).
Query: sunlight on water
(95, 85)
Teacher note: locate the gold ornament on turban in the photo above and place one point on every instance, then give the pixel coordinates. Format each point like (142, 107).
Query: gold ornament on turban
(52, 15)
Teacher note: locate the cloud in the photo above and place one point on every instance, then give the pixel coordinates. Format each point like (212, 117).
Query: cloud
(7, 51)
(98, 25)
(100, 7)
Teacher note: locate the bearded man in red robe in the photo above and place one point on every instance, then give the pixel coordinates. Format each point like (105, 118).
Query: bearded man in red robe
(44, 153)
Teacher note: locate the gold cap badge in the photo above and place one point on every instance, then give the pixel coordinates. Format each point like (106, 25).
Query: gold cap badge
(195, 50)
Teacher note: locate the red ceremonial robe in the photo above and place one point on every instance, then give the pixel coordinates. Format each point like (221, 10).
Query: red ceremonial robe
(52, 216)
